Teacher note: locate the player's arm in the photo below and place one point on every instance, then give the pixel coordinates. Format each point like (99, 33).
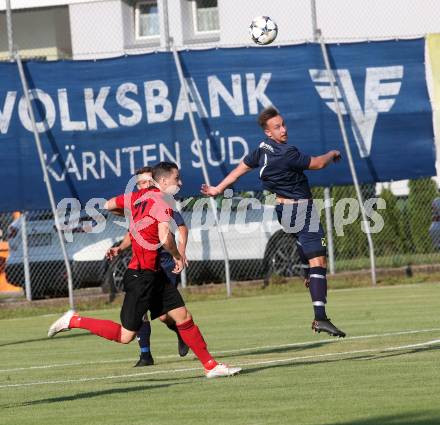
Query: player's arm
(126, 242)
(113, 205)
(319, 162)
(116, 250)
(183, 240)
(167, 240)
(229, 180)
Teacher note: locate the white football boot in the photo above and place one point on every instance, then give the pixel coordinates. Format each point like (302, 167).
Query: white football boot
(222, 370)
(61, 325)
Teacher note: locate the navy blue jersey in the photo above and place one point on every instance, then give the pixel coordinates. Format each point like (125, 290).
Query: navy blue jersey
(281, 169)
(166, 259)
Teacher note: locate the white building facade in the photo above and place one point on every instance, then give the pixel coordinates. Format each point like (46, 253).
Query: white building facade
(92, 29)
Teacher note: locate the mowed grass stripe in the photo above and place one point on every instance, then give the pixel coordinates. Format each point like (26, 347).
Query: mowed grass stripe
(231, 352)
(258, 363)
(357, 381)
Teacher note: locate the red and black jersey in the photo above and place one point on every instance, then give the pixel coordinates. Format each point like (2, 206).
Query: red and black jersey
(147, 209)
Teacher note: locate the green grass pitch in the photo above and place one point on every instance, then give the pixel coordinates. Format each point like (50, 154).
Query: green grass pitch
(386, 372)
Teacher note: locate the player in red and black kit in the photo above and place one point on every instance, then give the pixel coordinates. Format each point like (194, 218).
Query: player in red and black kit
(145, 284)
(144, 179)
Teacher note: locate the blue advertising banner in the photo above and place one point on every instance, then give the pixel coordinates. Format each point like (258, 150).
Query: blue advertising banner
(101, 120)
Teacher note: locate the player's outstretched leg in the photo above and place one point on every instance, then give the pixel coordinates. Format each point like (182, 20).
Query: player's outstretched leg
(143, 338)
(318, 292)
(192, 337)
(104, 328)
(62, 324)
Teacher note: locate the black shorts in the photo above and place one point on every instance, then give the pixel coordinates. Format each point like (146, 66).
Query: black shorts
(146, 290)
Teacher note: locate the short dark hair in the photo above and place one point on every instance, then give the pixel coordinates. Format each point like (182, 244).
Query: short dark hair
(266, 115)
(164, 168)
(143, 170)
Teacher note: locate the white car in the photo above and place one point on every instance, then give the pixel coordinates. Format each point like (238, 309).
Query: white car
(48, 274)
(256, 245)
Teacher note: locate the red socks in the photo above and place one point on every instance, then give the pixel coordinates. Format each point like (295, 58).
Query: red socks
(104, 328)
(189, 332)
(192, 337)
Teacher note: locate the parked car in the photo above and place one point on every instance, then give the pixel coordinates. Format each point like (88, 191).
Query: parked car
(46, 264)
(257, 248)
(256, 245)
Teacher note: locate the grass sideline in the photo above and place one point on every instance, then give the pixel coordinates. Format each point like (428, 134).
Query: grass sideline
(385, 372)
(18, 307)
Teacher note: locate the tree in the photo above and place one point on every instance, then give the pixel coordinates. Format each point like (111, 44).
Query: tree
(391, 240)
(421, 194)
(354, 243)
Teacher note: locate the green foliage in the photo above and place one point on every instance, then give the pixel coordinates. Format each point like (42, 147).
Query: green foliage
(421, 194)
(392, 238)
(406, 224)
(406, 239)
(353, 243)
(318, 192)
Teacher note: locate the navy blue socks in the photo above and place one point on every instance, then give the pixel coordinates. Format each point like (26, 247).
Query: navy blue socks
(318, 291)
(143, 337)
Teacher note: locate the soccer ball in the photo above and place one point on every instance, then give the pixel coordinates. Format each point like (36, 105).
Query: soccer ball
(263, 30)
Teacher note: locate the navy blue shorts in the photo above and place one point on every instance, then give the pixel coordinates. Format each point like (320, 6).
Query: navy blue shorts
(302, 220)
(167, 265)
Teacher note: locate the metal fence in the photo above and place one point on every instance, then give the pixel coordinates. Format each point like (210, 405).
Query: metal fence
(257, 247)
(109, 28)
(405, 240)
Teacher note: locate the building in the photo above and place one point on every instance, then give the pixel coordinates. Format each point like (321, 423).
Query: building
(92, 29)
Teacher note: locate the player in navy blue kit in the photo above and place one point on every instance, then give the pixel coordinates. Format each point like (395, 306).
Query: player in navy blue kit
(282, 173)
(143, 181)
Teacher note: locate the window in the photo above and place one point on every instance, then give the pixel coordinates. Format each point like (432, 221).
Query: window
(205, 16)
(147, 19)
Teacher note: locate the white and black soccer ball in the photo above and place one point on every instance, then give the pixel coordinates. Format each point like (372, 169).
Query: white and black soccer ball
(263, 30)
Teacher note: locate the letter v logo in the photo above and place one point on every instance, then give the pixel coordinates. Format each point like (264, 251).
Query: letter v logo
(380, 96)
